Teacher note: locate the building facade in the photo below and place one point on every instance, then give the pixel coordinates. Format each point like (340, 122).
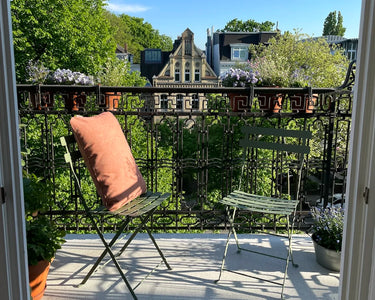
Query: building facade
(184, 66)
(225, 49)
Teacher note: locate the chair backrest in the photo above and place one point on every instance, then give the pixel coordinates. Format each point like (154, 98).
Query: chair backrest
(282, 142)
(256, 137)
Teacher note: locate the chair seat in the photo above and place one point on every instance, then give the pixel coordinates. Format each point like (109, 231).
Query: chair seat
(138, 206)
(261, 204)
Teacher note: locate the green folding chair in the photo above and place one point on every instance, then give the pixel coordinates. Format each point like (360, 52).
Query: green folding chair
(142, 207)
(288, 149)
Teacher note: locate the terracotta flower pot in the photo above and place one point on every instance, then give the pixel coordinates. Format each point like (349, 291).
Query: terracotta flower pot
(270, 102)
(38, 279)
(46, 100)
(239, 102)
(303, 103)
(75, 101)
(111, 100)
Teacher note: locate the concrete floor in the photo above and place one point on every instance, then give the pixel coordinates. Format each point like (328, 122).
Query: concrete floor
(195, 259)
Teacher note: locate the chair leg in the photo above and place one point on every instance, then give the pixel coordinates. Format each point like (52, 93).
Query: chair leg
(107, 245)
(224, 256)
(157, 248)
(109, 250)
(230, 231)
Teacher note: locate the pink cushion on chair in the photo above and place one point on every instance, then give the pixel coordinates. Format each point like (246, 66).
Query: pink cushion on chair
(108, 157)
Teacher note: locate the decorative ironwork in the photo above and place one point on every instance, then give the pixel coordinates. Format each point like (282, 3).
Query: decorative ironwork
(187, 144)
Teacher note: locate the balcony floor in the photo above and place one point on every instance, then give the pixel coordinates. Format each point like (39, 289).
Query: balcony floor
(195, 259)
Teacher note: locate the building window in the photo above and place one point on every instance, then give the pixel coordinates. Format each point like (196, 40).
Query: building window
(188, 47)
(164, 102)
(197, 76)
(240, 53)
(177, 72)
(180, 101)
(153, 56)
(194, 101)
(187, 72)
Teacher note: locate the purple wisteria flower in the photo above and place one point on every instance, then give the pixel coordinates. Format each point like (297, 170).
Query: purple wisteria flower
(66, 76)
(238, 78)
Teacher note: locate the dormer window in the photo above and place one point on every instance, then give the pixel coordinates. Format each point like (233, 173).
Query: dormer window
(152, 56)
(239, 52)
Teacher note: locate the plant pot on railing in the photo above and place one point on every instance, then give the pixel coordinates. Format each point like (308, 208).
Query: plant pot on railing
(75, 101)
(45, 101)
(239, 102)
(111, 101)
(270, 102)
(303, 103)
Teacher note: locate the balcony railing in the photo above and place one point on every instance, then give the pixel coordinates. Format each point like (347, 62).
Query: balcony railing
(185, 141)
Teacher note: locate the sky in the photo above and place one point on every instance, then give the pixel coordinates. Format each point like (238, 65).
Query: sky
(173, 17)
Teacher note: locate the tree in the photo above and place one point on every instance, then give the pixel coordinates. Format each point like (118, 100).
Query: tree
(333, 24)
(62, 34)
(137, 34)
(236, 25)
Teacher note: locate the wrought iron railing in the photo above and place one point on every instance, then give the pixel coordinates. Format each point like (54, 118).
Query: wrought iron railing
(185, 141)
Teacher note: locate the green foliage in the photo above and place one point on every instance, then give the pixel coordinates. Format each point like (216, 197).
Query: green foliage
(116, 72)
(250, 25)
(43, 237)
(317, 63)
(37, 193)
(137, 34)
(63, 34)
(333, 24)
(43, 240)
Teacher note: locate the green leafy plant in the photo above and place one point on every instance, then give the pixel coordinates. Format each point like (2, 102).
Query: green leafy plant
(328, 227)
(299, 61)
(116, 72)
(43, 237)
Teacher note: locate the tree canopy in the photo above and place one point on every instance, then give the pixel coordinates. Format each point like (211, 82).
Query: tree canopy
(62, 34)
(137, 34)
(250, 25)
(333, 24)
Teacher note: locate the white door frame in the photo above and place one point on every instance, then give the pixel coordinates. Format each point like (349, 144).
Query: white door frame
(358, 265)
(13, 258)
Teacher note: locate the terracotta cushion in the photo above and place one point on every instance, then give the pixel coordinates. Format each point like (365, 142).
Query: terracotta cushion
(108, 157)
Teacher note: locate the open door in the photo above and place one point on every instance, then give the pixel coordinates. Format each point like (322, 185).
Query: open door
(358, 263)
(13, 258)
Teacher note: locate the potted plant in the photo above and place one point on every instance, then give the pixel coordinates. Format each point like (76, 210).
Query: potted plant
(327, 231)
(43, 237)
(288, 55)
(37, 74)
(237, 77)
(272, 73)
(300, 102)
(116, 72)
(74, 101)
